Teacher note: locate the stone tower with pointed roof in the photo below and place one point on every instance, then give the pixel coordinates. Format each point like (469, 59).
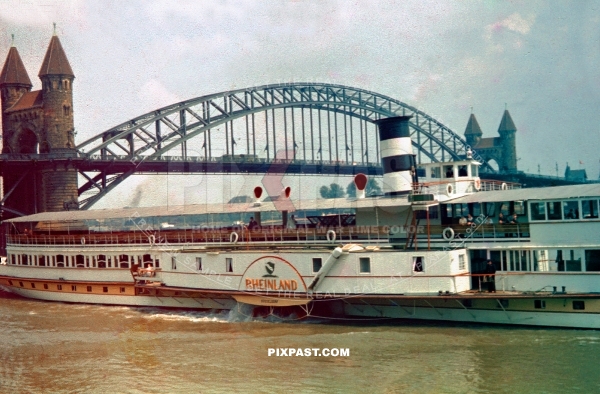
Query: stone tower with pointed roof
(503, 149)
(39, 122)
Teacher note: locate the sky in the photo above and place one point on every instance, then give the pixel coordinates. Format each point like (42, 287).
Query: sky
(539, 59)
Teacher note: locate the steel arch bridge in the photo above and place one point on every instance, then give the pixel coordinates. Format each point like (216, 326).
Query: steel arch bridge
(302, 127)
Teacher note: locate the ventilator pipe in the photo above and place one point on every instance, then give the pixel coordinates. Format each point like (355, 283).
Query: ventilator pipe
(335, 254)
(360, 181)
(257, 193)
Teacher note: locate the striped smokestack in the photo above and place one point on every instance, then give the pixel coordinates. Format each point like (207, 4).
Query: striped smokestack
(396, 155)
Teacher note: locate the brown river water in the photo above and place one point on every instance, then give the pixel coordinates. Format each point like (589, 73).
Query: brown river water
(48, 347)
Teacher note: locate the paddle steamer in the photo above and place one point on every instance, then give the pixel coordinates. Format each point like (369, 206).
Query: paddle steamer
(417, 252)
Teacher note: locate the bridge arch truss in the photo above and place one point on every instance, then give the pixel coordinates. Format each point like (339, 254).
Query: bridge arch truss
(289, 122)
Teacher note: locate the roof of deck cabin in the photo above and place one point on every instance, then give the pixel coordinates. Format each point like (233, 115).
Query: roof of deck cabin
(199, 209)
(530, 194)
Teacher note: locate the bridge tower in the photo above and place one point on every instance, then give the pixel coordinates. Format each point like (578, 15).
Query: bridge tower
(507, 131)
(39, 122)
(502, 149)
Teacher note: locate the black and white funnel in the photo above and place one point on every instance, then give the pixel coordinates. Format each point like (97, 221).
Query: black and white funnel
(396, 155)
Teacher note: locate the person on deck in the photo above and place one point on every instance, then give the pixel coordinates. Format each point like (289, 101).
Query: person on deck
(469, 219)
(501, 218)
(252, 224)
(291, 224)
(513, 219)
(490, 270)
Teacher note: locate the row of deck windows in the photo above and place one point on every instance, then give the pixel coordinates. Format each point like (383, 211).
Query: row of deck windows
(561, 260)
(449, 171)
(584, 209)
(82, 261)
(46, 286)
(576, 305)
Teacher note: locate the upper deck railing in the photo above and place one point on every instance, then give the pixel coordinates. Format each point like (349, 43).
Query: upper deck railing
(240, 236)
(442, 187)
(244, 237)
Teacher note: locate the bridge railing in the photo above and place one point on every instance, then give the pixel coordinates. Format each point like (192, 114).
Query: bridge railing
(39, 156)
(194, 159)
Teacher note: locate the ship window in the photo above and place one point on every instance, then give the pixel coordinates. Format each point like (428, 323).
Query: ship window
(579, 305)
(433, 213)
(12, 259)
(147, 258)
(58, 287)
(317, 263)
(489, 209)
(503, 303)
(105, 289)
(418, 264)
(60, 260)
(199, 263)
(122, 290)
(365, 265)
(468, 303)
(525, 260)
(24, 259)
(89, 288)
(80, 261)
(592, 260)
(539, 304)
(519, 208)
(45, 286)
(538, 210)
(476, 209)
(101, 261)
(229, 264)
(504, 207)
(156, 263)
(462, 262)
(33, 285)
(589, 209)
(462, 170)
(174, 263)
(448, 172)
(474, 170)
(436, 172)
(42, 261)
(10, 282)
(571, 209)
(124, 261)
(73, 288)
(21, 284)
(554, 210)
